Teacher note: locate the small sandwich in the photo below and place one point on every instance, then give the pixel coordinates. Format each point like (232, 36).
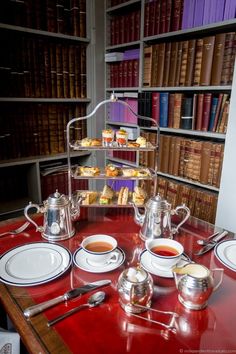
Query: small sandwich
(86, 142)
(89, 197)
(106, 196)
(139, 196)
(123, 196)
(141, 141)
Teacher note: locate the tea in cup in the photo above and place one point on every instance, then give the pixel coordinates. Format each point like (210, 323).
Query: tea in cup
(100, 249)
(164, 253)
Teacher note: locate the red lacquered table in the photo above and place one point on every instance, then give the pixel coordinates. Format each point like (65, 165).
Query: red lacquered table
(107, 328)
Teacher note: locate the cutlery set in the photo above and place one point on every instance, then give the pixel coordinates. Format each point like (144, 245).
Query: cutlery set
(211, 242)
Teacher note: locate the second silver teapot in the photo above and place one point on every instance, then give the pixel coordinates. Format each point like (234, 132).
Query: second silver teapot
(156, 220)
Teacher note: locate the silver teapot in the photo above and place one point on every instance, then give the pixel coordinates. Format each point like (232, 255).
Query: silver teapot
(156, 220)
(195, 284)
(58, 214)
(135, 287)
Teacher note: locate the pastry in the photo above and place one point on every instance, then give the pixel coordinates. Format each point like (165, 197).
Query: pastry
(107, 192)
(107, 136)
(123, 196)
(96, 142)
(111, 171)
(89, 197)
(133, 144)
(139, 196)
(143, 172)
(89, 171)
(141, 141)
(129, 172)
(86, 142)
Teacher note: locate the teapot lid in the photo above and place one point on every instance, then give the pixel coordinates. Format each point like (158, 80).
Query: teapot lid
(57, 199)
(157, 202)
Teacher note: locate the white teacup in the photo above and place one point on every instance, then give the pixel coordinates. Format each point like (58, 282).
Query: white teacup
(165, 253)
(100, 249)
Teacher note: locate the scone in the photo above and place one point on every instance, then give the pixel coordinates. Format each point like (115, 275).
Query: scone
(129, 172)
(144, 172)
(123, 196)
(96, 142)
(86, 142)
(111, 171)
(89, 197)
(89, 171)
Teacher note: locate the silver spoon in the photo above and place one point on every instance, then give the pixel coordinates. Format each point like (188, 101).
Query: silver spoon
(205, 242)
(94, 300)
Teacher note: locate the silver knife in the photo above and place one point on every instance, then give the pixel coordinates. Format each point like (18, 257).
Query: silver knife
(34, 310)
(211, 244)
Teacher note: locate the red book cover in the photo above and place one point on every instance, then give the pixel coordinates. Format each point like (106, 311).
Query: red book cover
(198, 124)
(135, 78)
(206, 111)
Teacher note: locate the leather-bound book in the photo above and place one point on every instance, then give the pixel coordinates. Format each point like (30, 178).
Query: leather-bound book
(165, 149)
(147, 66)
(178, 145)
(186, 112)
(157, 11)
(226, 78)
(198, 62)
(218, 59)
(65, 71)
(176, 15)
(162, 186)
(222, 127)
(205, 161)
(172, 155)
(168, 15)
(219, 111)
(219, 153)
(167, 64)
(207, 57)
(206, 111)
(72, 70)
(173, 63)
(163, 16)
(52, 51)
(147, 15)
(161, 62)
(172, 193)
(178, 63)
(171, 110)
(156, 106)
(190, 62)
(177, 110)
(183, 68)
(198, 123)
(83, 77)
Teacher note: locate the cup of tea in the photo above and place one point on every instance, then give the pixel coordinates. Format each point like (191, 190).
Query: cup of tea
(164, 252)
(100, 249)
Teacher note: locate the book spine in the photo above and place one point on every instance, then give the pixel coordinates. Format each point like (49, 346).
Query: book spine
(218, 58)
(207, 57)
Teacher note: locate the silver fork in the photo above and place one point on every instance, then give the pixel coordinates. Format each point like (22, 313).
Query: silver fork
(16, 231)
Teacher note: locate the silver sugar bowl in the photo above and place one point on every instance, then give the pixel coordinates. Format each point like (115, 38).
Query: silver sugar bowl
(135, 287)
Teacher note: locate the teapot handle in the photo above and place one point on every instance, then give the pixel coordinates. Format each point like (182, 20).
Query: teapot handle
(29, 206)
(175, 211)
(221, 270)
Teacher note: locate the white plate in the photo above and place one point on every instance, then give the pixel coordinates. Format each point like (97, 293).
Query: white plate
(146, 263)
(225, 251)
(34, 264)
(80, 260)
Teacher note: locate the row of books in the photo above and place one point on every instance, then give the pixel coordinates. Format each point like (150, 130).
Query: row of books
(202, 204)
(33, 67)
(197, 111)
(125, 27)
(196, 160)
(162, 16)
(38, 129)
(198, 62)
(124, 73)
(62, 16)
(129, 156)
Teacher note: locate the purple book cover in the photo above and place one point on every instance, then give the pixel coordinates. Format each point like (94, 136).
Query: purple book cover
(131, 54)
(198, 13)
(206, 12)
(130, 117)
(230, 8)
(188, 14)
(220, 5)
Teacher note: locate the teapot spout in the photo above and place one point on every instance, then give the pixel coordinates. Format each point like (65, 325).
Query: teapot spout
(138, 217)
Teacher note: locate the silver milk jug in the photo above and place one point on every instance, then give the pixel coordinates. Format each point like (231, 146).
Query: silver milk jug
(195, 284)
(155, 222)
(58, 214)
(135, 287)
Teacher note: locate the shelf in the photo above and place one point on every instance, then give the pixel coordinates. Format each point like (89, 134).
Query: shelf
(78, 146)
(149, 174)
(35, 159)
(187, 88)
(120, 6)
(118, 89)
(121, 161)
(207, 29)
(123, 124)
(177, 178)
(123, 45)
(191, 133)
(43, 33)
(46, 100)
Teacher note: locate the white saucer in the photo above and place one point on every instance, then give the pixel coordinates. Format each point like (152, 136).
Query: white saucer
(81, 261)
(146, 263)
(225, 251)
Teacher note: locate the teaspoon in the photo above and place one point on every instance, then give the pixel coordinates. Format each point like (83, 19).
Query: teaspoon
(204, 242)
(94, 300)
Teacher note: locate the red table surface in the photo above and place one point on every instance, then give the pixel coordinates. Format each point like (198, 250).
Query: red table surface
(107, 328)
